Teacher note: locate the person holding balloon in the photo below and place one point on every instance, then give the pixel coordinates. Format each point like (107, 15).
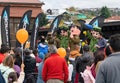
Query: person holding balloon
(55, 69)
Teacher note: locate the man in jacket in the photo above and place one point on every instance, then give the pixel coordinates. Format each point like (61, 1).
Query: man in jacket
(55, 68)
(109, 70)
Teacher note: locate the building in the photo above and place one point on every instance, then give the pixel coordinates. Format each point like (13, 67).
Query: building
(17, 9)
(113, 19)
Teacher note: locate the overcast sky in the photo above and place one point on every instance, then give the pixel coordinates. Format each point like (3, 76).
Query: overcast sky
(61, 4)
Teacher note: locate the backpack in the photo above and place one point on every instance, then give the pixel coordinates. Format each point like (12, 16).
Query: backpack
(2, 80)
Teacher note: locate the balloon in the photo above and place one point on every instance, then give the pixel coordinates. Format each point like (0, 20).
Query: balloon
(85, 33)
(61, 52)
(83, 43)
(22, 35)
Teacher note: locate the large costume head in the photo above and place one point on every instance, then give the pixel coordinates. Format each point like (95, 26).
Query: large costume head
(74, 31)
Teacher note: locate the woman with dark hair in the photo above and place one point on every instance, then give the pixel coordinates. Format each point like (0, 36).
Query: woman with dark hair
(4, 51)
(18, 53)
(107, 51)
(98, 57)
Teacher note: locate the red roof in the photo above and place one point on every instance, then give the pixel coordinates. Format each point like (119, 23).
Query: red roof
(113, 18)
(19, 7)
(20, 1)
(18, 12)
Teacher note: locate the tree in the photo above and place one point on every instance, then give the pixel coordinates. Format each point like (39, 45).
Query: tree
(72, 9)
(105, 12)
(43, 20)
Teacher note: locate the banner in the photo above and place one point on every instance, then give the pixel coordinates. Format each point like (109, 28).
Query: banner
(55, 24)
(34, 32)
(5, 29)
(97, 21)
(24, 23)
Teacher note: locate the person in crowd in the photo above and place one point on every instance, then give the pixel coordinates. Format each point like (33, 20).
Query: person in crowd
(30, 62)
(40, 67)
(35, 52)
(81, 63)
(99, 56)
(7, 67)
(101, 44)
(18, 58)
(109, 70)
(70, 69)
(42, 47)
(16, 67)
(4, 51)
(73, 54)
(55, 68)
(12, 78)
(86, 51)
(107, 51)
(87, 75)
(38, 60)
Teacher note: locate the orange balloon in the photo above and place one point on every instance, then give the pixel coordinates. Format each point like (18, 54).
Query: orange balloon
(61, 52)
(22, 35)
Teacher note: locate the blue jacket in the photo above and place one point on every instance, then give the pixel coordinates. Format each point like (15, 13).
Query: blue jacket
(39, 79)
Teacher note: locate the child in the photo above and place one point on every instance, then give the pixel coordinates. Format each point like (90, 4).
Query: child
(12, 78)
(87, 75)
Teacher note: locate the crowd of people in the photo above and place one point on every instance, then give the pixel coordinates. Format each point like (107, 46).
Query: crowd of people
(44, 65)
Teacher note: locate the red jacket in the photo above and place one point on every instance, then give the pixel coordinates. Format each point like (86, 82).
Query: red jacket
(55, 67)
(2, 56)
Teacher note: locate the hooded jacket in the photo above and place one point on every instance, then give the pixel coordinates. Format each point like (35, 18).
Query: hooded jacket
(7, 70)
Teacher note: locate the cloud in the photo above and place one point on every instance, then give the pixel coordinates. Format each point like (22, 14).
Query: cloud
(60, 4)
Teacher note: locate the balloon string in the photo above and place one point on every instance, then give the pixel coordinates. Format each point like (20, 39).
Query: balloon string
(22, 53)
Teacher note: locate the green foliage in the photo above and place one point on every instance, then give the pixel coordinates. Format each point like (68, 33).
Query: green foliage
(93, 41)
(105, 12)
(64, 41)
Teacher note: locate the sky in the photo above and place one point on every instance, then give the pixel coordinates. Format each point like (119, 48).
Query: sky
(62, 4)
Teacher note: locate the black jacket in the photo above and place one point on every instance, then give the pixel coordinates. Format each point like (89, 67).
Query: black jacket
(30, 64)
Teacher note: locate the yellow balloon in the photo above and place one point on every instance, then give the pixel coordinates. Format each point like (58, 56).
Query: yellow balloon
(85, 33)
(61, 52)
(22, 35)
(83, 43)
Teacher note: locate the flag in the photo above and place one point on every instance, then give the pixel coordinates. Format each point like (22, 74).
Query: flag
(34, 32)
(24, 23)
(97, 21)
(55, 24)
(5, 29)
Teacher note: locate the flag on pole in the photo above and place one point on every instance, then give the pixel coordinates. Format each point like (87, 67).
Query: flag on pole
(5, 29)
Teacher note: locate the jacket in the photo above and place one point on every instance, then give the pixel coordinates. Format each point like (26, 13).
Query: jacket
(74, 54)
(30, 64)
(55, 67)
(7, 70)
(39, 79)
(109, 70)
(2, 56)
